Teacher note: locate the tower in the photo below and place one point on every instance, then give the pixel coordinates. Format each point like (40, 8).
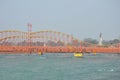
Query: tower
(29, 34)
(100, 39)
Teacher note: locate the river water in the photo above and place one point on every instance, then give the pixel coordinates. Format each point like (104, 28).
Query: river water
(59, 66)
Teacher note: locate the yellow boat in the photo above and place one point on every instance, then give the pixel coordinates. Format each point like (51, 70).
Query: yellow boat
(94, 53)
(40, 53)
(78, 54)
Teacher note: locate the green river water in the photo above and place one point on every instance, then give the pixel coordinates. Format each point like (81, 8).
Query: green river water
(59, 66)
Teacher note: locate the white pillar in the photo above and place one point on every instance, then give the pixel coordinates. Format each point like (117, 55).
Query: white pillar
(100, 40)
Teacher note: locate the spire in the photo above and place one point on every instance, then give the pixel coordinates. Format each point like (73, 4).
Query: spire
(100, 35)
(100, 39)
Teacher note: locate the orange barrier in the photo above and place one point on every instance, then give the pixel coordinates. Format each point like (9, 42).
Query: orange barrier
(59, 49)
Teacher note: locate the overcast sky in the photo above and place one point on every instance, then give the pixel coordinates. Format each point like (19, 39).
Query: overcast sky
(82, 18)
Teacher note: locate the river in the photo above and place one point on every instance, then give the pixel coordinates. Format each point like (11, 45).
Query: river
(59, 66)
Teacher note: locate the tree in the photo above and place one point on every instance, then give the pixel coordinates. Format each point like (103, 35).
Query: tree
(90, 40)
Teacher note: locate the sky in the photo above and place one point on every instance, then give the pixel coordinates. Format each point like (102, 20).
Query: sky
(81, 18)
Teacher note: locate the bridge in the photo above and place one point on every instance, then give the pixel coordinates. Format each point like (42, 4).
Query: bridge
(47, 41)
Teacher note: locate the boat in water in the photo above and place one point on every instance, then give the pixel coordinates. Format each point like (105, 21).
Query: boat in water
(78, 54)
(40, 53)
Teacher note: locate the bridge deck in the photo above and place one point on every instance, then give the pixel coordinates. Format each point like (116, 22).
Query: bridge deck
(49, 49)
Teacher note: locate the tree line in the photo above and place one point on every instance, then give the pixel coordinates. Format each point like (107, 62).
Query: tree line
(106, 42)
